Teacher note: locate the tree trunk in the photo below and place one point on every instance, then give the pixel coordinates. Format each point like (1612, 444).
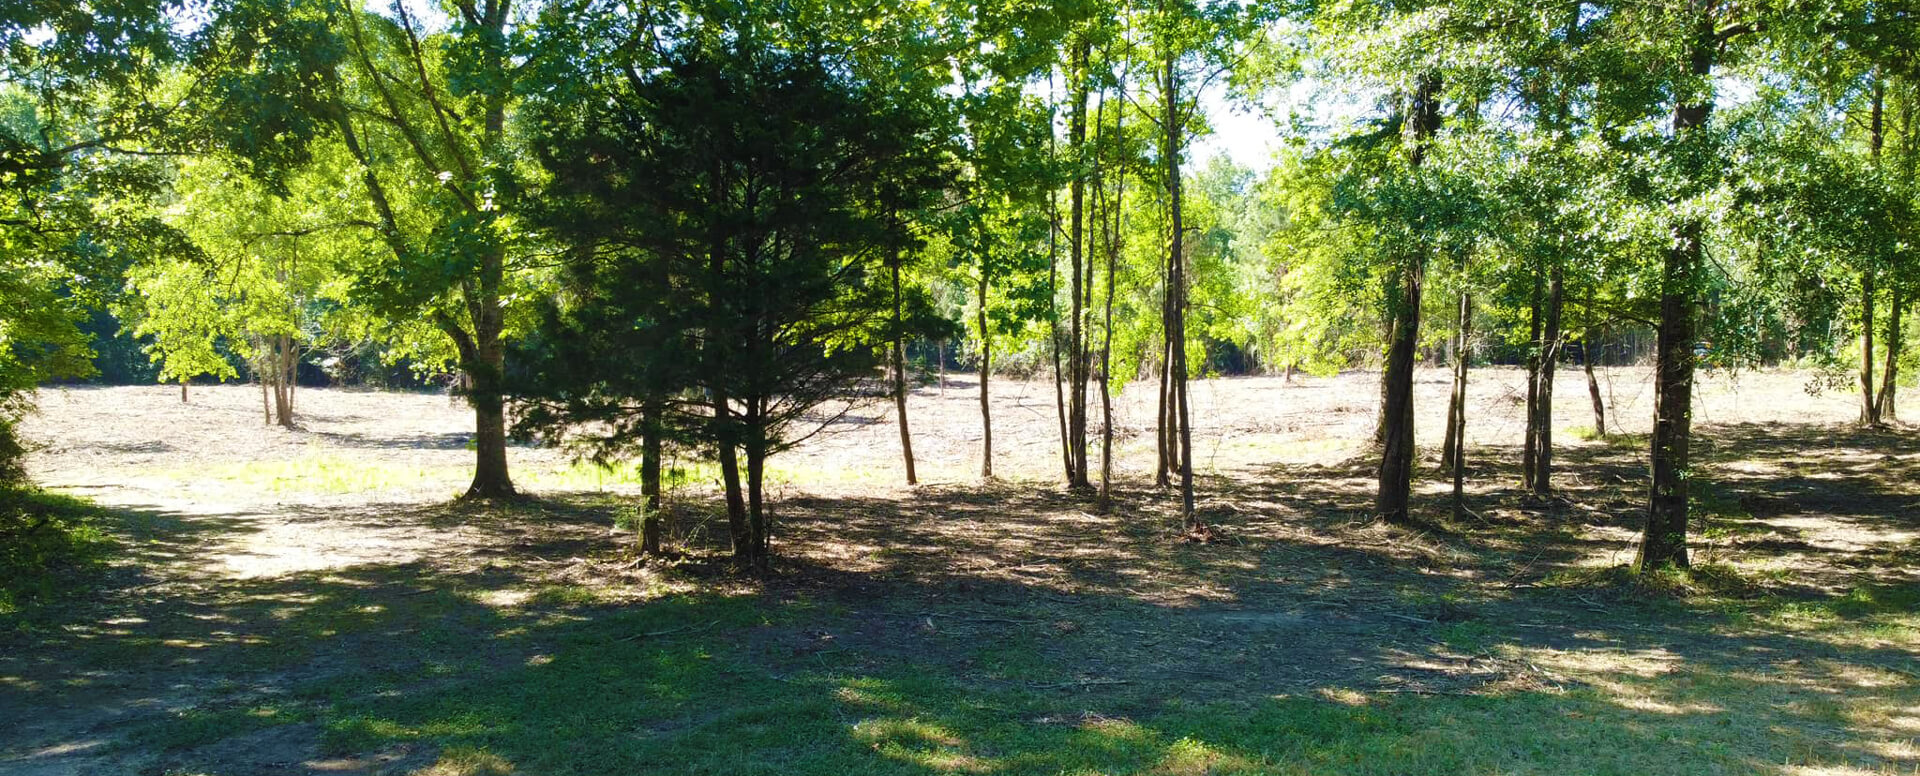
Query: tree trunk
(490, 478)
(739, 530)
(1593, 387)
(1053, 315)
(1530, 438)
(1895, 319)
(1457, 399)
(898, 355)
(1077, 258)
(1869, 412)
(757, 518)
(986, 369)
(1162, 407)
(1396, 460)
(1177, 289)
(183, 390)
(1549, 364)
(1396, 455)
(1456, 447)
(650, 443)
(1878, 411)
(1664, 542)
(1114, 247)
(284, 365)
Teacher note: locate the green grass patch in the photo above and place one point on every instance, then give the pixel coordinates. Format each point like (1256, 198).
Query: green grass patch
(51, 546)
(326, 473)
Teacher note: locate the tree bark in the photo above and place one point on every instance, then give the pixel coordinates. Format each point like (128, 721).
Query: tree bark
(1114, 247)
(1397, 452)
(650, 444)
(1530, 438)
(1077, 258)
(1549, 364)
(1895, 341)
(1879, 411)
(1162, 406)
(1664, 542)
(1177, 289)
(1593, 387)
(284, 364)
(1455, 454)
(898, 355)
(1869, 412)
(986, 369)
(761, 540)
(1053, 315)
(739, 530)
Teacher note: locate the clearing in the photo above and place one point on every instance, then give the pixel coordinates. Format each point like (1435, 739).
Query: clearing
(309, 602)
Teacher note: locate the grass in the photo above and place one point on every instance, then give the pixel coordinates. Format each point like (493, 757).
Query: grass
(729, 699)
(49, 546)
(324, 473)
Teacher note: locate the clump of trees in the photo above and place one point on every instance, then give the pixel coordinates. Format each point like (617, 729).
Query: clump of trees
(703, 226)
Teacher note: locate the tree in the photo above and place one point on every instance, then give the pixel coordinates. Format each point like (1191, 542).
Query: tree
(754, 190)
(424, 117)
(267, 281)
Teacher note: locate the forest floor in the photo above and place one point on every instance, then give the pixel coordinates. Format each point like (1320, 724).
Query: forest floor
(310, 601)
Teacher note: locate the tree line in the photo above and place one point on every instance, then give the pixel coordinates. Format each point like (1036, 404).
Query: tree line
(631, 228)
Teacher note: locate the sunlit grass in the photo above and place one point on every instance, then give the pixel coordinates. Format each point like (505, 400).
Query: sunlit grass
(324, 473)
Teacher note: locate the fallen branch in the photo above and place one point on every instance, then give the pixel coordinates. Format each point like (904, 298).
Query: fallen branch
(668, 632)
(1410, 618)
(1080, 683)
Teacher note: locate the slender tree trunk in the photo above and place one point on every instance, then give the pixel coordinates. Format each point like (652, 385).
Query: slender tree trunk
(986, 370)
(1530, 443)
(1396, 455)
(283, 361)
(738, 527)
(1869, 412)
(1162, 406)
(1053, 317)
(898, 355)
(650, 444)
(1114, 246)
(183, 390)
(1549, 364)
(758, 519)
(1457, 399)
(1895, 340)
(266, 404)
(1593, 387)
(1177, 289)
(1664, 542)
(1874, 412)
(1456, 447)
(1077, 257)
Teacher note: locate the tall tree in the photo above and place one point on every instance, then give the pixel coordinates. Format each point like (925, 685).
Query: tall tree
(424, 115)
(755, 187)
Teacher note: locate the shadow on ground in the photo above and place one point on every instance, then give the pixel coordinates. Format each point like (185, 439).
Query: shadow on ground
(1010, 628)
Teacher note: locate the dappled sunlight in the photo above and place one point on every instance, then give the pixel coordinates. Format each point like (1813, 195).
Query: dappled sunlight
(1010, 627)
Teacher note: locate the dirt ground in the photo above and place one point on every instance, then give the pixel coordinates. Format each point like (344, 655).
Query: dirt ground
(237, 536)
